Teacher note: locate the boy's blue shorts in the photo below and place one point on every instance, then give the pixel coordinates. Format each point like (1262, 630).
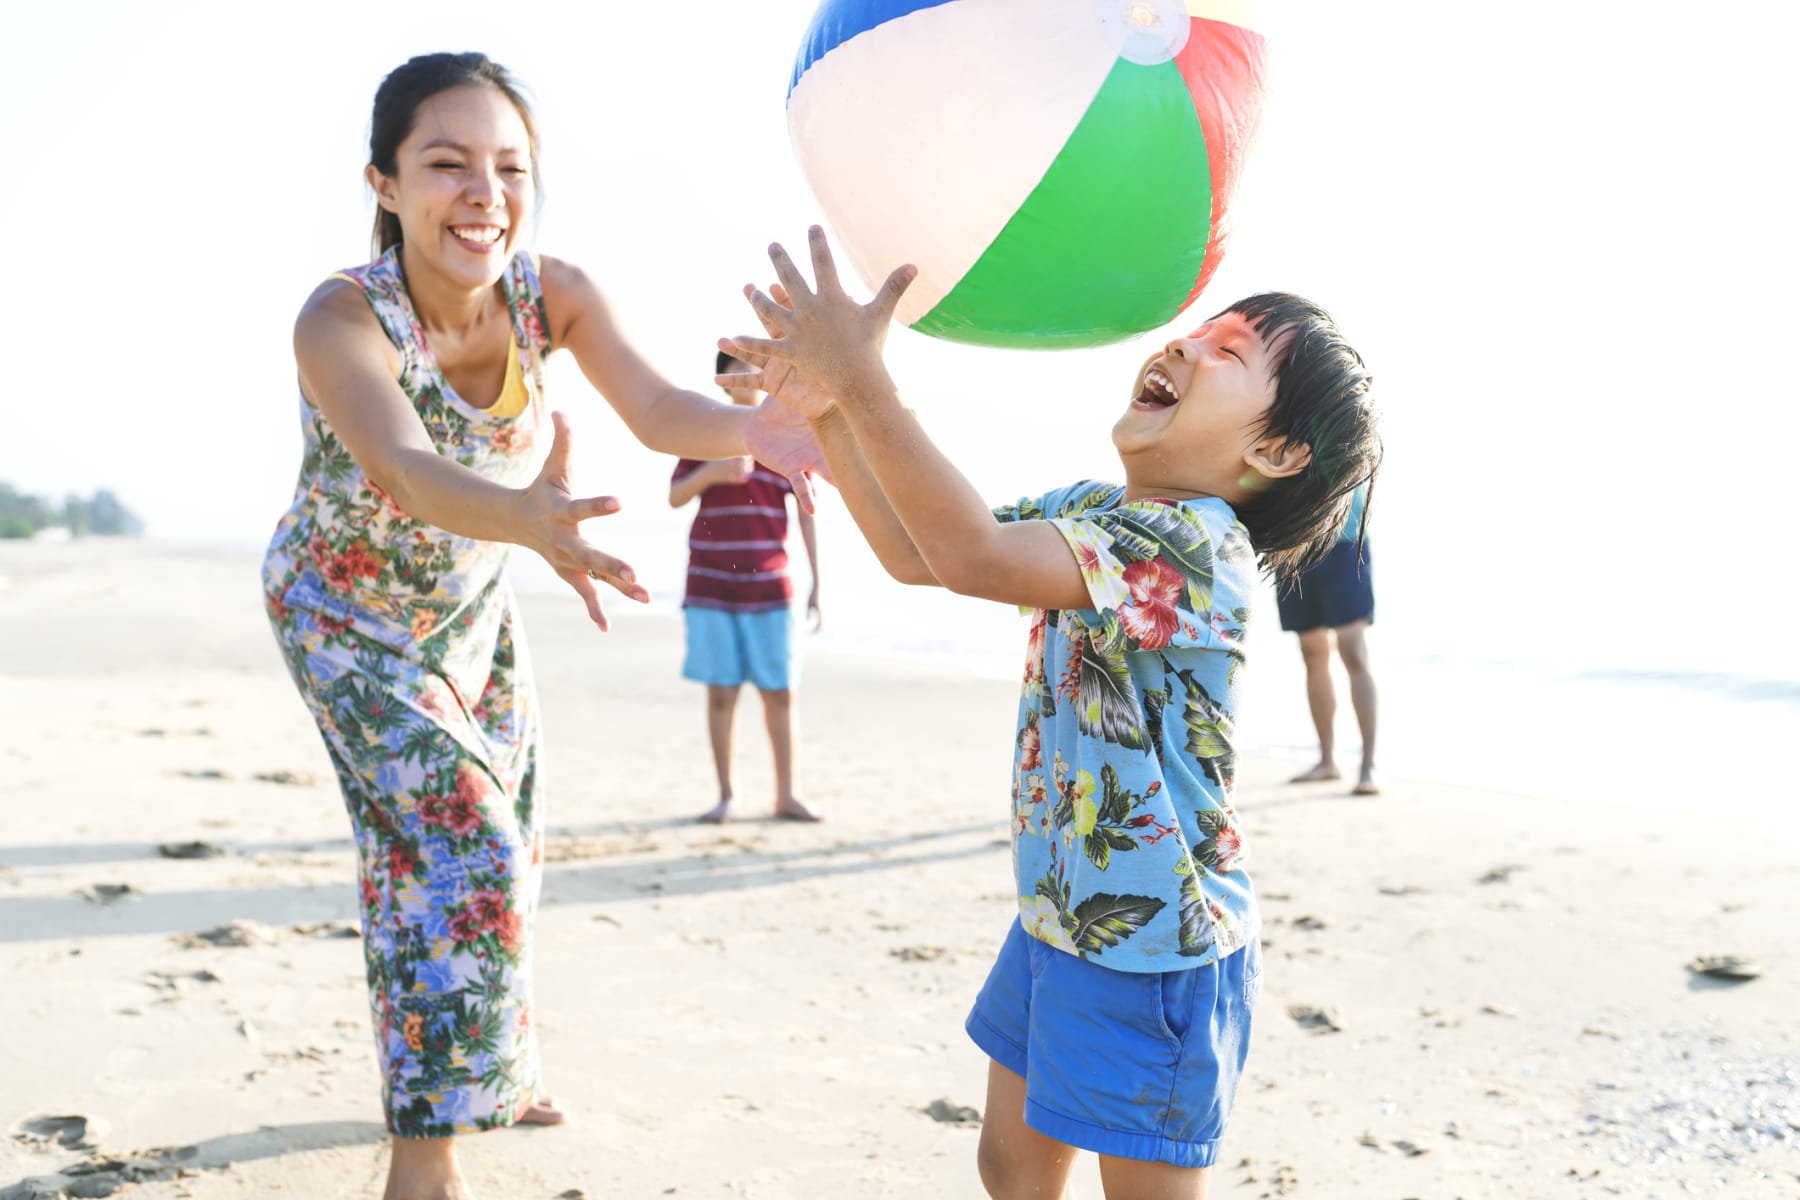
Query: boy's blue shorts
(1140, 1066)
(1339, 591)
(725, 649)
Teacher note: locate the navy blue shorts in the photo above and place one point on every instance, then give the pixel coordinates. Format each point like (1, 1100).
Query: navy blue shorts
(1337, 592)
(1132, 1065)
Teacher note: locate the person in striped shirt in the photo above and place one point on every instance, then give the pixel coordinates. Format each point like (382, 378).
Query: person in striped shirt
(738, 606)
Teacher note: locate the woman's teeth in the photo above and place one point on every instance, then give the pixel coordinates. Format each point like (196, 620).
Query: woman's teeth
(483, 234)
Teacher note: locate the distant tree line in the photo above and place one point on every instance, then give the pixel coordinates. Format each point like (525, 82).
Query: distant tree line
(101, 515)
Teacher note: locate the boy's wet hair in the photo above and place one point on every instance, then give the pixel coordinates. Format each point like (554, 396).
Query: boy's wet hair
(1323, 398)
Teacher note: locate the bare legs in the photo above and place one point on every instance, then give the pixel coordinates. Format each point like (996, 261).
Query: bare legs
(425, 1169)
(1353, 648)
(721, 713)
(1019, 1163)
(778, 717)
(1321, 698)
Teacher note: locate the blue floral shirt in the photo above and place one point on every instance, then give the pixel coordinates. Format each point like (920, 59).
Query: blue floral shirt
(1125, 844)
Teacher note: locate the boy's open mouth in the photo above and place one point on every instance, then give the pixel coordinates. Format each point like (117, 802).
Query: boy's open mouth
(1158, 390)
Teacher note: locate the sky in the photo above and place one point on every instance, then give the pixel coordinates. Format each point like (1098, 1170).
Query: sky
(1560, 233)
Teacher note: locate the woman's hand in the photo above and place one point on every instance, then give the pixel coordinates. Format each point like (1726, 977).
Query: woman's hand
(552, 517)
(779, 434)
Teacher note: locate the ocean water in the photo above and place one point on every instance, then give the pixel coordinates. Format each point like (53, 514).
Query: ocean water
(1697, 727)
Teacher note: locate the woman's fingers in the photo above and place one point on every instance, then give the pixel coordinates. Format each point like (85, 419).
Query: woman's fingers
(556, 466)
(592, 506)
(741, 379)
(767, 347)
(604, 568)
(590, 596)
(801, 481)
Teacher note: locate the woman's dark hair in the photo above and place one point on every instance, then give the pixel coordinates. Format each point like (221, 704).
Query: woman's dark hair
(397, 103)
(1323, 400)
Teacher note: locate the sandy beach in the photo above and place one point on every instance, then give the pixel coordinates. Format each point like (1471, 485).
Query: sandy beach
(1468, 994)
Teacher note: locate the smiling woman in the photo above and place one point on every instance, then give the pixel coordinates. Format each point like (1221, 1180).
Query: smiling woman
(423, 415)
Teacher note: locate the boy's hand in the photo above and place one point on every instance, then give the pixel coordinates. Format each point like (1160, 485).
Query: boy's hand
(824, 333)
(779, 433)
(772, 376)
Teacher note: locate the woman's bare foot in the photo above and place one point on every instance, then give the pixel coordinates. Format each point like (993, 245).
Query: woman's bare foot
(544, 1111)
(789, 809)
(1319, 773)
(718, 814)
(1367, 785)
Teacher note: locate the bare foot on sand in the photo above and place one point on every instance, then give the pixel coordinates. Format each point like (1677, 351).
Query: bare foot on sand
(543, 1112)
(1318, 774)
(1367, 785)
(718, 814)
(790, 809)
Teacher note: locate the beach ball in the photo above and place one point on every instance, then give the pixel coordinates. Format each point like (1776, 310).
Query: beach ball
(1059, 171)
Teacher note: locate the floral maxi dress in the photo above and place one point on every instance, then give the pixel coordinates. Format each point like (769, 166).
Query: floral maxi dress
(404, 641)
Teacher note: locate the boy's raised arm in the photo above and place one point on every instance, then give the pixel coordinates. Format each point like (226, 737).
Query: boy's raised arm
(800, 403)
(837, 343)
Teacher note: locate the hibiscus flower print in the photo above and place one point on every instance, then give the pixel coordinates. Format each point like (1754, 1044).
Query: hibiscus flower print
(1150, 616)
(1093, 554)
(510, 439)
(459, 813)
(1031, 754)
(1041, 920)
(1229, 845)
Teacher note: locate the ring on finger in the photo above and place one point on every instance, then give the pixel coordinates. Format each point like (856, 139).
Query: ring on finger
(593, 574)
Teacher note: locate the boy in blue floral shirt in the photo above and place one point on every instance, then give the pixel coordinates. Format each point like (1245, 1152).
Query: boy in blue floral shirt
(1117, 1015)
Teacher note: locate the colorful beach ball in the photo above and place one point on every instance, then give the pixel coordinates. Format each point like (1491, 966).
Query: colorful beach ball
(1058, 170)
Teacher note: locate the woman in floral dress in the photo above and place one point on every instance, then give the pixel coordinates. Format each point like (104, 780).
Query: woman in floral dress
(423, 415)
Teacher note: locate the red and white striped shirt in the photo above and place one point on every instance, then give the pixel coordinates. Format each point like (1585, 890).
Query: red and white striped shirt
(737, 551)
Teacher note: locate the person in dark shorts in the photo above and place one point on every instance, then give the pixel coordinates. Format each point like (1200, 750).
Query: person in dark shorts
(1335, 602)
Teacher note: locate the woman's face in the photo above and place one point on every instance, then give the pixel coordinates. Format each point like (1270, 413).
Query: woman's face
(462, 186)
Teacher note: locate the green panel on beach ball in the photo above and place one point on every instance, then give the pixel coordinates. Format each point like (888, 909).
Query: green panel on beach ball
(1134, 178)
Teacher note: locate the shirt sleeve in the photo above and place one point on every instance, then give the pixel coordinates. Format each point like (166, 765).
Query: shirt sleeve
(1149, 569)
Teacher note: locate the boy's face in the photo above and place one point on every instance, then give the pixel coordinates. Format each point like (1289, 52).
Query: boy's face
(1195, 410)
(748, 397)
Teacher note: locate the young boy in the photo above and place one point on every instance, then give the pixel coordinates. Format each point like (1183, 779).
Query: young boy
(1118, 1013)
(737, 608)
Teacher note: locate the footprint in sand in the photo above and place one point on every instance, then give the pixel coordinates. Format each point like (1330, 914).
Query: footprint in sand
(236, 934)
(949, 1113)
(1728, 967)
(107, 893)
(287, 778)
(70, 1131)
(1318, 1020)
(189, 850)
